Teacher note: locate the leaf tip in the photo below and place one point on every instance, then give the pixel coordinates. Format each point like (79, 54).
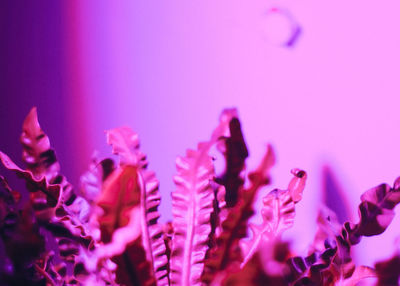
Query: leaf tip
(31, 119)
(297, 184)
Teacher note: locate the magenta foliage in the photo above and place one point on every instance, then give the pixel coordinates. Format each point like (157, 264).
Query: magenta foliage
(107, 232)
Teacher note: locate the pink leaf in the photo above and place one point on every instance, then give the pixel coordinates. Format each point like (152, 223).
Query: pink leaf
(125, 143)
(278, 213)
(227, 253)
(120, 226)
(297, 184)
(120, 194)
(51, 192)
(235, 152)
(192, 207)
(37, 153)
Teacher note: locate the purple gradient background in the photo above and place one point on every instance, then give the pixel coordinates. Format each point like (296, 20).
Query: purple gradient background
(167, 69)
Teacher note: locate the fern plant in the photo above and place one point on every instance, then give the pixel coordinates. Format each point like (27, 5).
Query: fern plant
(106, 232)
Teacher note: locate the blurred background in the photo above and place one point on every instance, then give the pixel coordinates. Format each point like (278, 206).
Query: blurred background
(318, 80)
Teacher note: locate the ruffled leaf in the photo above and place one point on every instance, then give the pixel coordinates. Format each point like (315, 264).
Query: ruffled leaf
(278, 213)
(279, 206)
(51, 192)
(55, 205)
(313, 269)
(152, 231)
(37, 153)
(335, 264)
(192, 203)
(376, 209)
(376, 213)
(227, 251)
(228, 139)
(46, 203)
(197, 202)
(235, 153)
(120, 226)
(41, 160)
(125, 143)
